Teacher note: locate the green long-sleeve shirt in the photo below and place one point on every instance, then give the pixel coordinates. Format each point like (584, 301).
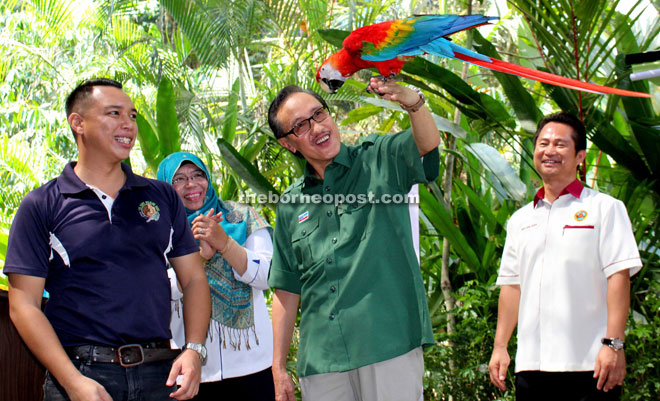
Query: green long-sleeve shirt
(351, 259)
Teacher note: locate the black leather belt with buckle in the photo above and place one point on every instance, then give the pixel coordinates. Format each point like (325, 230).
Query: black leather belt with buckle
(126, 355)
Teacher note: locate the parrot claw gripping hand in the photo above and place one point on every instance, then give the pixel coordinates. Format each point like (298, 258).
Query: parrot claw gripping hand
(391, 77)
(387, 46)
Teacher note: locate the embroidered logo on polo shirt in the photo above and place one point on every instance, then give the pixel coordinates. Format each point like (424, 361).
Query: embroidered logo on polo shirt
(581, 215)
(303, 217)
(149, 211)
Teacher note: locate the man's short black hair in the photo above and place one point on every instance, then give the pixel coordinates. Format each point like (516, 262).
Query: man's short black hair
(277, 103)
(579, 133)
(83, 91)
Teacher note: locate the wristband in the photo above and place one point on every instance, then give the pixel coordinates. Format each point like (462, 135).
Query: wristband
(414, 107)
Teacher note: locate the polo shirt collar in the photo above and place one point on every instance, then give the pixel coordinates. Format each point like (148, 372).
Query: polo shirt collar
(70, 183)
(343, 158)
(574, 188)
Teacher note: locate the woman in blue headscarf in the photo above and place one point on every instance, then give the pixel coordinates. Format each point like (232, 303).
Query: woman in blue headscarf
(236, 247)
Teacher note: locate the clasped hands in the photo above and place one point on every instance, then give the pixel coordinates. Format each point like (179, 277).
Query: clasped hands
(210, 234)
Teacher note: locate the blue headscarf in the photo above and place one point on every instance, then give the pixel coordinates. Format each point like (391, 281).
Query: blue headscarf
(166, 170)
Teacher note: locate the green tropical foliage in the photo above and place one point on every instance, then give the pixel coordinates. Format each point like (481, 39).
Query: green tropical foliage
(202, 73)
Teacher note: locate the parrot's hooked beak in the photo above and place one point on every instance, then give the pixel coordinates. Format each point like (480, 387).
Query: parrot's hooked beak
(331, 85)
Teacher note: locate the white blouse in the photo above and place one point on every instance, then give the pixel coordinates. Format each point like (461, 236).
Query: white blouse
(223, 361)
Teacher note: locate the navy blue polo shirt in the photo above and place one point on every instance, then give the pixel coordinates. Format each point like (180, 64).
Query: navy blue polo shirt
(106, 271)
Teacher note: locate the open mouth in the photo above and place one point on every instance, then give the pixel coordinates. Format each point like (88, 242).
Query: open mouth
(123, 139)
(193, 196)
(323, 139)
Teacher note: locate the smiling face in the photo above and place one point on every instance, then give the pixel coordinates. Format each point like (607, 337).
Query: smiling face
(105, 124)
(555, 157)
(191, 184)
(321, 143)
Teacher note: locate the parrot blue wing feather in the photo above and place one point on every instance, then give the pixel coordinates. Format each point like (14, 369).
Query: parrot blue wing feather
(409, 35)
(445, 48)
(463, 50)
(417, 52)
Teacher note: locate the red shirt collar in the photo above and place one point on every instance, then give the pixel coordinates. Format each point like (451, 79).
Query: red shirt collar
(574, 188)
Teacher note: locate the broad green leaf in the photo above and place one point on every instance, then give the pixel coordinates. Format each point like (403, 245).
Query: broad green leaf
(250, 152)
(229, 188)
(484, 105)
(609, 140)
(168, 123)
(148, 141)
(245, 170)
(501, 170)
(442, 123)
(4, 240)
(452, 83)
(444, 224)
(643, 120)
(231, 113)
(648, 137)
(521, 100)
(333, 36)
(477, 202)
(361, 113)
(470, 230)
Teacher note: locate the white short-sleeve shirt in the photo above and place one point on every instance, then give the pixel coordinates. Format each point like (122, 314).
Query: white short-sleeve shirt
(561, 255)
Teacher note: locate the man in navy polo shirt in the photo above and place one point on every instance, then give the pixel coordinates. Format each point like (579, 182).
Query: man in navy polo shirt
(98, 238)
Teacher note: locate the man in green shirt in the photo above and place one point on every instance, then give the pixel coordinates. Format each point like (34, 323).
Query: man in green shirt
(343, 251)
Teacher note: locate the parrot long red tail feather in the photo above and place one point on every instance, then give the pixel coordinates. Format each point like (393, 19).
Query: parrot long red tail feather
(509, 68)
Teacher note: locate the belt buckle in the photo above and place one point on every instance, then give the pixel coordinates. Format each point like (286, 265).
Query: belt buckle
(129, 347)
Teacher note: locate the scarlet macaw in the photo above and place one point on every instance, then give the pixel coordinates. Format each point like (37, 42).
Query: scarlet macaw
(387, 46)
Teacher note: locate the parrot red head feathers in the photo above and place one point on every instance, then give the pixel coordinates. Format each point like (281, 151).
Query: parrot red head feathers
(335, 71)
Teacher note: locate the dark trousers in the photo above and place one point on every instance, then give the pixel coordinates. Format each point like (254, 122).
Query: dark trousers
(145, 382)
(561, 386)
(255, 387)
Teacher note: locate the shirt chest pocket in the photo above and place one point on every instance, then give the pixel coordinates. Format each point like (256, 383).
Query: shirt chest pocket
(301, 242)
(580, 239)
(356, 221)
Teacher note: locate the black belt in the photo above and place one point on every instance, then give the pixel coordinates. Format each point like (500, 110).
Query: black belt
(126, 355)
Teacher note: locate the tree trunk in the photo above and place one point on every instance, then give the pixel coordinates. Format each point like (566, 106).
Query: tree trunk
(445, 281)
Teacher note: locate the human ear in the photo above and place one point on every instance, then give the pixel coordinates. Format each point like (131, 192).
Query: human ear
(76, 123)
(287, 144)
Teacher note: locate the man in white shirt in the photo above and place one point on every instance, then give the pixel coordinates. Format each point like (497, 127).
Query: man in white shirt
(565, 279)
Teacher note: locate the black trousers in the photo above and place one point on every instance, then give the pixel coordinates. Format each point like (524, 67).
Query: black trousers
(255, 387)
(561, 386)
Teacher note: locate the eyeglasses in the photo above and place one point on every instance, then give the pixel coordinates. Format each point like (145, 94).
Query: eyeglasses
(182, 179)
(303, 126)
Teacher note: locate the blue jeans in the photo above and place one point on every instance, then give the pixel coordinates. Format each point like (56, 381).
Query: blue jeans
(145, 382)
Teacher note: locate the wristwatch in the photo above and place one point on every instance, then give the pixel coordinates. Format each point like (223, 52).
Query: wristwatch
(614, 343)
(199, 348)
